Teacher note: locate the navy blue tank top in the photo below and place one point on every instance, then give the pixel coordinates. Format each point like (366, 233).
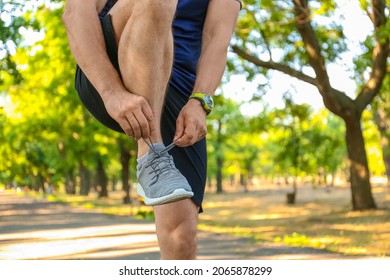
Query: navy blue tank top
(187, 34)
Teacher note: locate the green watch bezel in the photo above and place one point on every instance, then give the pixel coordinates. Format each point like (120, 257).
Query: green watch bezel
(205, 99)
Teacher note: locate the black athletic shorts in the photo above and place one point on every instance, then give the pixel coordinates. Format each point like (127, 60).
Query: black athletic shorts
(191, 161)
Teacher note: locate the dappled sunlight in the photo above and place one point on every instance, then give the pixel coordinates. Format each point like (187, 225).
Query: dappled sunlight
(374, 228)
(321, 218)
(268, 216)
(77, 233)
(289, 211)
(63, 242)
(242, 231)
(329, 240)
(359, 168)
(119, 252)
(368, 213)
(354, 250)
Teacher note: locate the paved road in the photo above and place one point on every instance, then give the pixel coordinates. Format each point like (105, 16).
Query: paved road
(37, 229)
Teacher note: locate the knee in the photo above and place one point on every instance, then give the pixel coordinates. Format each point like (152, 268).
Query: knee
(185, 241)
(180, 243)
(161, 11)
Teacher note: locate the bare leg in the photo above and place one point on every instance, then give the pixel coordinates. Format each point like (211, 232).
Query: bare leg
(176, 225)
(145, 52)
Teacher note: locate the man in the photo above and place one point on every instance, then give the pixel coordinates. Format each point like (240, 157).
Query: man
(136, 77)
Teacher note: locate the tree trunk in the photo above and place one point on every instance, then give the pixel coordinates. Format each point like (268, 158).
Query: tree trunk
(85, 180)
(41, 183)
(70, 186)
(362, 198)
(114, 183)
(209, 182)
(219, 157)
(244, 182)
(381, 122)
(125, 173)
(102, 180)
(219, 174)
(291, 196)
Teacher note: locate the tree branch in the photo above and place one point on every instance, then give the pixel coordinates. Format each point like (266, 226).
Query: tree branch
(261, 30)
(336, 101)
(379, 58)
(313, 50)
(274, 66)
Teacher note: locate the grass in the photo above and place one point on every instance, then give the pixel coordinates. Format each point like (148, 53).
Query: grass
(321, 218)
(108, 205)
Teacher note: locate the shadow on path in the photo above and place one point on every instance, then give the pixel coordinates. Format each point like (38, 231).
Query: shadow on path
(37, 229)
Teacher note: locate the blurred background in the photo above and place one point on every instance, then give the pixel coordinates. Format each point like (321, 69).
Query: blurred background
(300, 131)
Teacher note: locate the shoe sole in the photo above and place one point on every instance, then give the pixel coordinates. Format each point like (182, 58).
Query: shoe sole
(177, 195)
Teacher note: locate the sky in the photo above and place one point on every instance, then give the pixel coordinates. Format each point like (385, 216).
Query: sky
(356, 27)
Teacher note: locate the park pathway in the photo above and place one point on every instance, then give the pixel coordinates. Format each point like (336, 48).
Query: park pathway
(37, 229)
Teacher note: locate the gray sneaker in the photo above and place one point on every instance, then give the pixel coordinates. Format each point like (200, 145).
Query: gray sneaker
(159, 181)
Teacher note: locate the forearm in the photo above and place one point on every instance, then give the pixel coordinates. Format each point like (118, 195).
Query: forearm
(87, 44)
(211, 65)
(219, 25)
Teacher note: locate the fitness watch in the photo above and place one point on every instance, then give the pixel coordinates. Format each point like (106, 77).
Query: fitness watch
(205, 99)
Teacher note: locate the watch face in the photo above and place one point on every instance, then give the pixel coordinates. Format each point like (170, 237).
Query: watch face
(209, 101)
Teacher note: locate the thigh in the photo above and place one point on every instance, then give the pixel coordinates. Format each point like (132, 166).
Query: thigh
(181, 213)
(88, 94)
(192, 160)
(120, 14)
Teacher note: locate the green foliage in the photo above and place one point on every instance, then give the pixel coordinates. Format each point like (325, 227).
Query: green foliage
(13, 21)
(304, 143)
(269, 28)
(280, 142)
(46, 134)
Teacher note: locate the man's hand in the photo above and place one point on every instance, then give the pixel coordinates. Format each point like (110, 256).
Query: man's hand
(190, 124)
(132, 112)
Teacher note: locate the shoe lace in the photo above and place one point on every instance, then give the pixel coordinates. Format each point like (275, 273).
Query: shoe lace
(160, 162)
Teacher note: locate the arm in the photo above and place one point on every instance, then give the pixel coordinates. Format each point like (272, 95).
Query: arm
(217, 32)
(87, 44)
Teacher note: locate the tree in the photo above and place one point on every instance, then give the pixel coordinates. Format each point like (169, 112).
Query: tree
(295, 152)
(381, 110)
(11, 37)
(48, 135)
(127, 152)
(222, 124)
(327, 145)
(291, 27)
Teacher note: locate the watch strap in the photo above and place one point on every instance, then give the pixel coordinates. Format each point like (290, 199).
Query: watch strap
(201, 97)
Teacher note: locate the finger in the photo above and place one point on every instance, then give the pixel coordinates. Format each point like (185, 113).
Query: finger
(194, 134)
(144, 124)
(200, 137)
(202, 134)
(147, 111)
(189, 136)
(185, 140)
(179, 128)
(134, 125)
(125, 125)
(149, 116)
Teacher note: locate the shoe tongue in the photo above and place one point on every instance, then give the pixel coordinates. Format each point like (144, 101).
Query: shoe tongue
(157, 147)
